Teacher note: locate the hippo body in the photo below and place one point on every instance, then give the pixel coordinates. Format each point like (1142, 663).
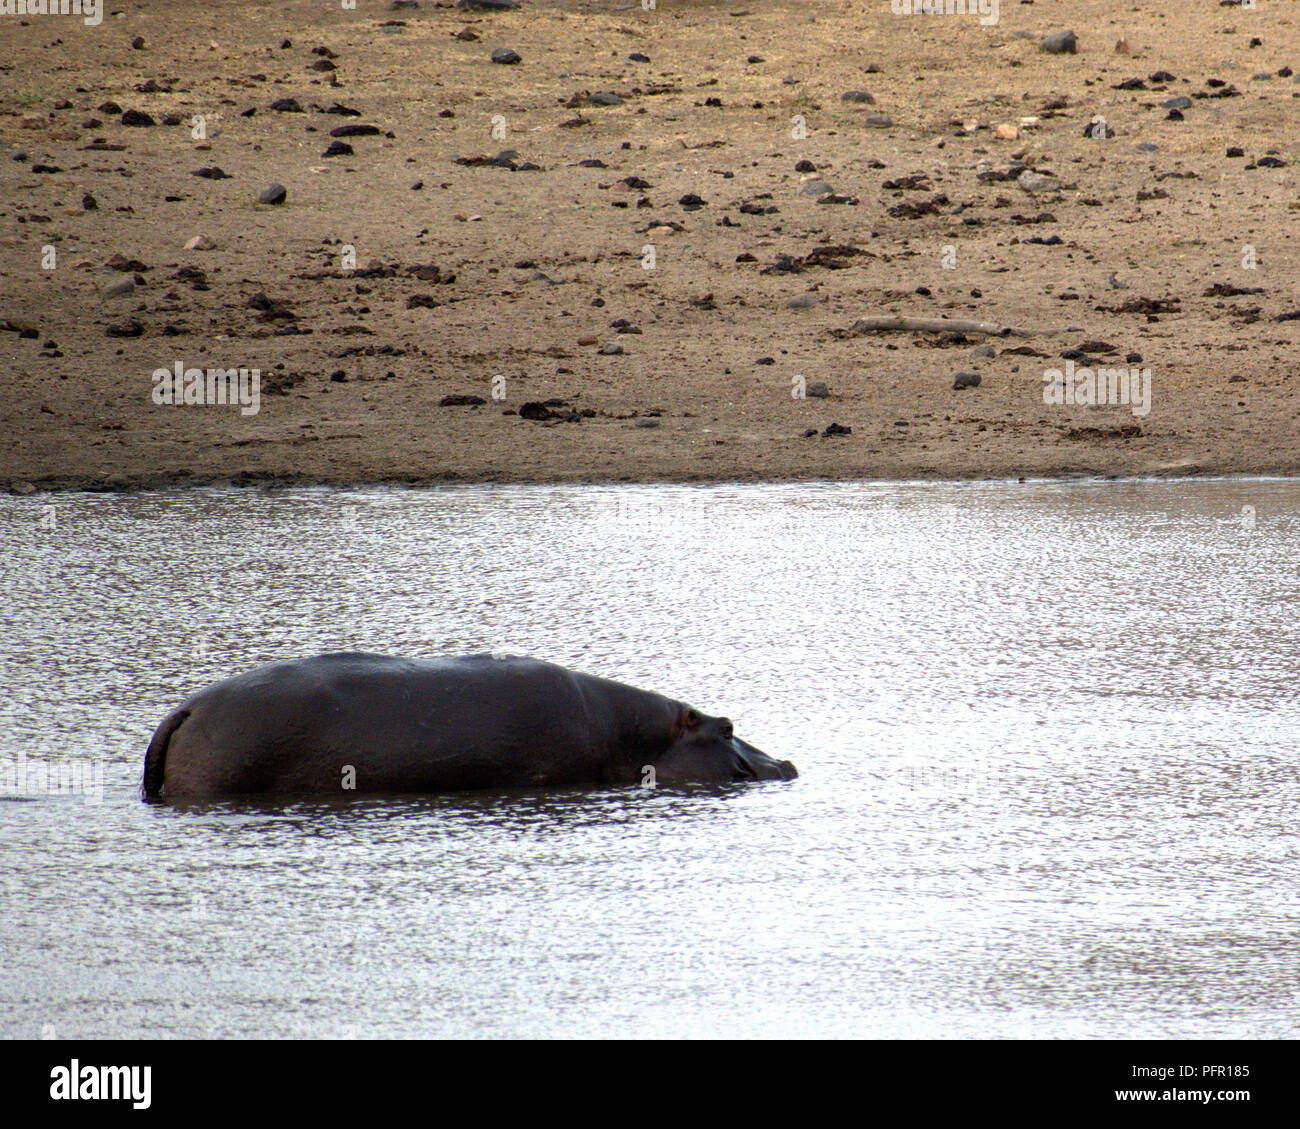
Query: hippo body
(361, 723)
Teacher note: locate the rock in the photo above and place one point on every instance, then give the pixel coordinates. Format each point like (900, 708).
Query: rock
(1123, 47)
(637, 57)
(338, 149)
(816, 188)
(1179, 103)
(1060, 43)
(611, 350)
(983, 351)
(646, 421)
(129, 328)
(506, 56)
(137, 44)
(604, 98)
(1037, 182)
(878, 121)
(836, 429)
(461, 400)
(200, 243)
(211, 172)
(355, 129)
(286, 106)
(802, 301)
(1006, 132)
(690, 200)
(805, 166)
(20, 486)
(137, 117)
(818, 390)
(275, 194)
(857, 98)
(119, 289)
(966, 380)
(487, 5)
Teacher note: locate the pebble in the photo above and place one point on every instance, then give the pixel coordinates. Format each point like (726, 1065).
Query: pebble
(611, 350)
(983, 351)
(803, 301)
(506, 55)
(137, 117)
(120, 289)
(817, 188)
(966, 380)
(200, 243)
(1060, 43)
(275, 194)
(818, 390)
(857, 98)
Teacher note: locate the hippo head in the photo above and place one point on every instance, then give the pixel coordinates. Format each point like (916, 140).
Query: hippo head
(705, 748)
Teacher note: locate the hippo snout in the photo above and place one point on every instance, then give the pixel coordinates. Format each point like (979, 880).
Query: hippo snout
(754, 764)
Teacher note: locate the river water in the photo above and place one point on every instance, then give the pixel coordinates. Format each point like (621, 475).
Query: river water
(1048, 736)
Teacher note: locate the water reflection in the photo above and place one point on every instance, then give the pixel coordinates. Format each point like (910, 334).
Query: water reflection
(1046, 733)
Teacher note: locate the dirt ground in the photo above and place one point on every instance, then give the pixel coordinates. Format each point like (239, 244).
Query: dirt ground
(570, 270)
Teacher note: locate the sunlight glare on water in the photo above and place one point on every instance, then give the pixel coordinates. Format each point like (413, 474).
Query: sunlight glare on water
(1047, 737)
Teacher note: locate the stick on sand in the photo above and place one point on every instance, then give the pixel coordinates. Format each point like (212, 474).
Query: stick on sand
(942, 325)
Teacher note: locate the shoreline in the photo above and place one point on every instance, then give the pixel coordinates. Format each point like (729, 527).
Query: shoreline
(20, 488)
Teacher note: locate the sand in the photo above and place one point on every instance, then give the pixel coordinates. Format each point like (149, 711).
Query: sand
(518, 284)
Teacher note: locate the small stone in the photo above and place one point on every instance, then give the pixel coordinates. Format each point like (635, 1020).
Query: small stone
(1060, 43)
(460, 400)
(611, 350)
(836, 429)
(1006, 132)
(200, 243)
(1123, 47)
(137, 44)
(878, 121)
(338, 149)
(1179, 103)
(275, 194)
(137, 117)
(966, 380)
(858, 98)
(120, 289)
(983, 351)
(817, 188)
(1037, 182)
(818, 390)
(506, 56)
(802, 301)
(20, 486)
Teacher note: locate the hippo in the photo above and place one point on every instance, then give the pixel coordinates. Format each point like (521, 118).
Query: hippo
(347, 723)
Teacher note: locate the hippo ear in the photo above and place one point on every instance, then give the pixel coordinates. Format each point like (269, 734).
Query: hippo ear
(688, 721)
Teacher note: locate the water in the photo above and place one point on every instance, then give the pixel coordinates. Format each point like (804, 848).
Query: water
(1047, 736)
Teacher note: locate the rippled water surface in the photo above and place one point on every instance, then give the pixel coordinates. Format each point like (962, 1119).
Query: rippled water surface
(1048, 734)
